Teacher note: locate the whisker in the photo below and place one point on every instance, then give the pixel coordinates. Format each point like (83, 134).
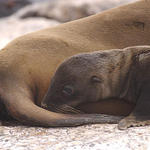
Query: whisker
(70, 109)
(58, 110)
(54, 108)
(63, 109)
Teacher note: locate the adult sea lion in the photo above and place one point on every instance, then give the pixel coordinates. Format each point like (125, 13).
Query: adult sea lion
(92, 77)
(27, 64)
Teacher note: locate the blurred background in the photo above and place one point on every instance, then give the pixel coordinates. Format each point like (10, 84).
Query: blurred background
(18, 17)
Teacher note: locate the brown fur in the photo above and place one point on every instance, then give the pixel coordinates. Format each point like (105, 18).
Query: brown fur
(28, 63)
(114, 82)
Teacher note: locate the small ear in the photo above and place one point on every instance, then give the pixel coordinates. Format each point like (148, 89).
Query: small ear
(96, 79)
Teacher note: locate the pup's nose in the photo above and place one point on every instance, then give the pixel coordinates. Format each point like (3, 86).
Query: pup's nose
(43, 105)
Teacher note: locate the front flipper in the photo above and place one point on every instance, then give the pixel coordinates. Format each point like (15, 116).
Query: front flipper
(30, 114)
(141, 113)
(20, 106)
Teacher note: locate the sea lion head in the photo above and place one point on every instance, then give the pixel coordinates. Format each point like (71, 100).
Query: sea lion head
(77, 80)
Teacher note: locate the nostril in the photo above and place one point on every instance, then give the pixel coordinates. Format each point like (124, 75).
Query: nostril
(43, 105)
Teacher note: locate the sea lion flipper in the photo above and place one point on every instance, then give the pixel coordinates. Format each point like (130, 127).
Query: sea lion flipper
(20, 105)
(141, 113)
(34, 115)
(24, 110)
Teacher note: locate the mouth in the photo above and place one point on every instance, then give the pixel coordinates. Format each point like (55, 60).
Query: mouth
(65, 109)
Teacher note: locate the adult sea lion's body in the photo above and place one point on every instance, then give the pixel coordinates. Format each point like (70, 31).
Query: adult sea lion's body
(28, 63)
(122, 74)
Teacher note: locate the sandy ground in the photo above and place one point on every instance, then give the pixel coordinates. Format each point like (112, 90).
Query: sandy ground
(89, 137)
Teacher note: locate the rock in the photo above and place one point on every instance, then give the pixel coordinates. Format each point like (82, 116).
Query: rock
(8, 7)
(12, 27)
(67, 10)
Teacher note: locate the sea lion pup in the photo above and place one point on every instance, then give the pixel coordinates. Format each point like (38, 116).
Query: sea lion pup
(28, 63)
(91, 77)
